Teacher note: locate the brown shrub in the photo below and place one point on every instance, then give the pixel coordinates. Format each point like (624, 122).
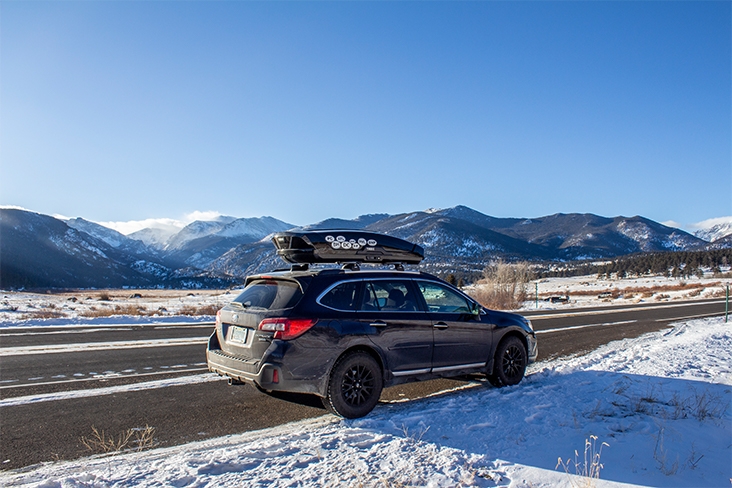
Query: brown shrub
(646, 291)
(117, 310)
(43, 314)
(504, 286)
(199, 310)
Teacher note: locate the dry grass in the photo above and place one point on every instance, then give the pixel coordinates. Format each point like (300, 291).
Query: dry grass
(116, 310)
(135, 439)
(199, 310)
(43, 314)
(588, 467)
(504, 286)
(647, 291)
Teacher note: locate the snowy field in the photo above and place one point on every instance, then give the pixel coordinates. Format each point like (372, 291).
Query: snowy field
(587, 291)
(654, 410)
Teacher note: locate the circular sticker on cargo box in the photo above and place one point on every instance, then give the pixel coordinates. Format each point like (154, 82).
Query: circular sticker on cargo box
(335, 245)
(345, 245)
(362, 242)
(372, 242)
(329, 238)
(341, 239)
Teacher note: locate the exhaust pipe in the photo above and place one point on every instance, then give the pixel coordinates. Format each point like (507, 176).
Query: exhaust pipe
(233, 382)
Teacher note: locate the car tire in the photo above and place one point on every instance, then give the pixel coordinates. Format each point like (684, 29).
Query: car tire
(509, 362)
(355, 386)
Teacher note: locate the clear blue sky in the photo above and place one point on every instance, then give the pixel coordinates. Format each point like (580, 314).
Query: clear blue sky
(119, 111)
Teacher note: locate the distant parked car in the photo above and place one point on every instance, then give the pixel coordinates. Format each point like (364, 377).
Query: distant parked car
(344, 334)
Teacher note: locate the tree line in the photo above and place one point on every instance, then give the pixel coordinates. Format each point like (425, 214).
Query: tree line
(679, 264)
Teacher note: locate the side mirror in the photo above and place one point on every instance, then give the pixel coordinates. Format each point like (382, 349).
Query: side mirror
(475, 309)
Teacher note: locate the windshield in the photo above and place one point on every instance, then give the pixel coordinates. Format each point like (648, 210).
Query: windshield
(270, 294)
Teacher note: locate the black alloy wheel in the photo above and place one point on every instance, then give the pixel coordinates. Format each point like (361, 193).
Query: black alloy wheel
(510, 362)
(355, 386)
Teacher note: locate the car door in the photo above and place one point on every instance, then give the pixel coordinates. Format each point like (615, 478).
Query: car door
(402, 328)
(462, 340)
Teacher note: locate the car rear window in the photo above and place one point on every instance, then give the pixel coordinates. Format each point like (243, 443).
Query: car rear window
(270, 294)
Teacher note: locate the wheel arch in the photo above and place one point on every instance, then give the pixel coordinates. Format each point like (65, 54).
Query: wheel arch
(504, 335)
(351, 349)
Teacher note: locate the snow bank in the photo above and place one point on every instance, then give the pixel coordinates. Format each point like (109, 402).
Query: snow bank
(659, 403)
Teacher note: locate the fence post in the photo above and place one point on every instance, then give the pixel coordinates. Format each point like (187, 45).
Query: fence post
(726, 306)
(537, 294)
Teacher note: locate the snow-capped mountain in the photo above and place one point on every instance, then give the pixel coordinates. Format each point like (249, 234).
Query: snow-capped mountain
(200, 243)
(253, 228)
(153, 237)
(714, 229)
(195, 230)
(112, 237)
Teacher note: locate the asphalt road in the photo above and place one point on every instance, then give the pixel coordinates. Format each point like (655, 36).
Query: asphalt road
(56, 384)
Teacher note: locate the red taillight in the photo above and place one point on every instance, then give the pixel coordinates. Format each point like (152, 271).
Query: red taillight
(286, 329)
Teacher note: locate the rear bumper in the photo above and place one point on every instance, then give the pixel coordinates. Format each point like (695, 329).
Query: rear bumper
(264, 375)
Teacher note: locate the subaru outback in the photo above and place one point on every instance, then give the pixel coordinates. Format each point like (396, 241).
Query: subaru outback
(345, 333)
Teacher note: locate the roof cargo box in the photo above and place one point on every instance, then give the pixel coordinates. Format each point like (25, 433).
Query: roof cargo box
(344, 246)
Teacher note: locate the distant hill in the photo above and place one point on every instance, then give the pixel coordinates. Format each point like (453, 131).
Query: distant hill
(39, 251)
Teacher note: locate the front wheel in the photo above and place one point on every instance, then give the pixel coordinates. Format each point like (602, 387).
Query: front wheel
(509, 363)
(354, 387)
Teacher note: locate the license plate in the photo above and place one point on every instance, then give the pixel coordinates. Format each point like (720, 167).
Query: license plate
(238, 334)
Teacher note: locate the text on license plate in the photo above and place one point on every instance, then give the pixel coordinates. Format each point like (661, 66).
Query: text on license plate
(238, 334)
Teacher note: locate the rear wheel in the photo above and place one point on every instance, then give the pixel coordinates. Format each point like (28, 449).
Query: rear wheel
(509, 363)
(355, 386)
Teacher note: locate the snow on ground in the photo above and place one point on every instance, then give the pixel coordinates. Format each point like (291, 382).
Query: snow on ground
(656, 410)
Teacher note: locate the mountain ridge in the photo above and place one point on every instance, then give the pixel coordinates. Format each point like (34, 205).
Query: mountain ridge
(220, 252)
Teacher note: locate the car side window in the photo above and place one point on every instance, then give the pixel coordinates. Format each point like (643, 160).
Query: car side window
(441, 299)
(341, 297)
(387, 295)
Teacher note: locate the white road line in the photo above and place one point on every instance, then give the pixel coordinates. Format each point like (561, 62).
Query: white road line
(717, 314)
(110, 390)
(579, 311)
(97, 378)
(155, 325)
(585, 326)
(72, 331)
(99, 346)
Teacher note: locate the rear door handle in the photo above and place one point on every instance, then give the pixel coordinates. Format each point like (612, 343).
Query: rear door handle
(378, 323)
(440, 325)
